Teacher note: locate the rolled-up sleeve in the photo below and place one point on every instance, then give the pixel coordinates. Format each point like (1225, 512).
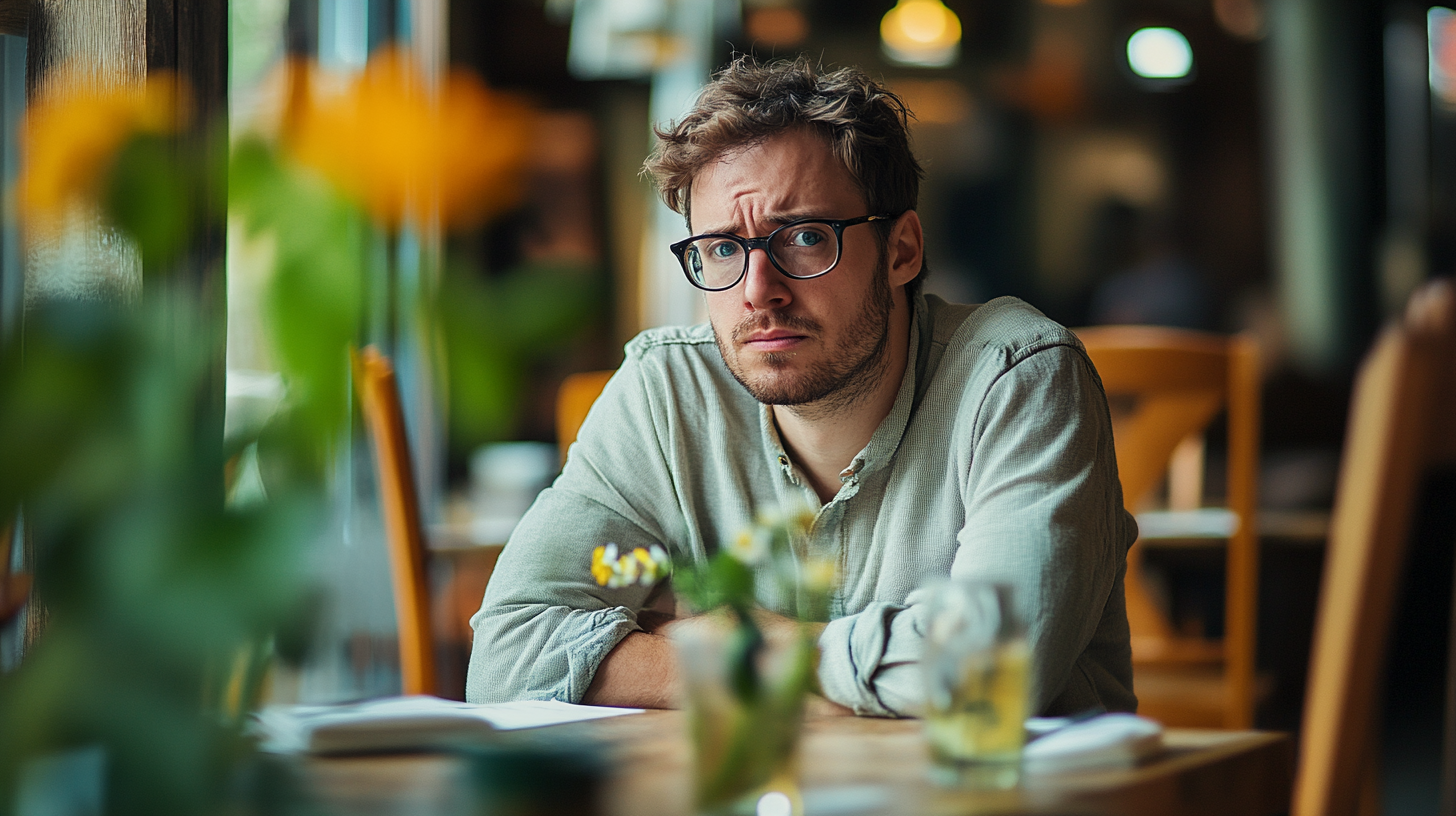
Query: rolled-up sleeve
(1043, 514)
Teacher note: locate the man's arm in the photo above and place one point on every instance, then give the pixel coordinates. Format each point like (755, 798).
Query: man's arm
(1044, 514)
(642, 671)
(545, 624)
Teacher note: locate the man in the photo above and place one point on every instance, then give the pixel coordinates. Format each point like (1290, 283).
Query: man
(935, 439)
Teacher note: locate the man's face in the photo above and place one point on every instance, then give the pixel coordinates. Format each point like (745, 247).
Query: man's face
(788, 341)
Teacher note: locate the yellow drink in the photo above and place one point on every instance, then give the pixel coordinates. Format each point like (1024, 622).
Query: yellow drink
(976, 728)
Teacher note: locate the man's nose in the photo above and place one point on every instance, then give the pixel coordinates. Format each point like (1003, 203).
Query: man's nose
(763, 286)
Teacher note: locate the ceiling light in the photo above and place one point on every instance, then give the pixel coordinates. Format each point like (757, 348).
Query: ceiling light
(921, 32)
(1159, 53)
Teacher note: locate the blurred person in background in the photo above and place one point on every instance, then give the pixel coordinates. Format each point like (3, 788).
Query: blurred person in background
(930, 439)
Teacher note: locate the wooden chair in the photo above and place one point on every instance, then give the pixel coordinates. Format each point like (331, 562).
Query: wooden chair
(1174, 383)
(1400, 425)
(573, 401)
(379, 400)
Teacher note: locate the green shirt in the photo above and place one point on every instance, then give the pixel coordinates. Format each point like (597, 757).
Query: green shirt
(995, 462)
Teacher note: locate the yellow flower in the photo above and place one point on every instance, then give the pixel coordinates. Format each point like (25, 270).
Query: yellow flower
(407, 152)
(655, 563)
(643, 566)
(601, 568)
(73, 131)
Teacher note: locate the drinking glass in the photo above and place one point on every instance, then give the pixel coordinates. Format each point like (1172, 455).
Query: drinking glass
(975, 670)
(745, 742)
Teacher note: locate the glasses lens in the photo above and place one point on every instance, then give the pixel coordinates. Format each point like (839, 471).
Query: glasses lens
(805, 250)
(714, 262)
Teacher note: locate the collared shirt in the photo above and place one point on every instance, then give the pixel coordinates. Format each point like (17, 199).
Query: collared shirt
(995, 462)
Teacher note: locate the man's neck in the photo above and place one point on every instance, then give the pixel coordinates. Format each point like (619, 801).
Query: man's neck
(824, 437)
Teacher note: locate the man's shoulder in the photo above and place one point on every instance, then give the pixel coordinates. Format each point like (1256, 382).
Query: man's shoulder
(680, 363)
(666, 339)
(1005, 330)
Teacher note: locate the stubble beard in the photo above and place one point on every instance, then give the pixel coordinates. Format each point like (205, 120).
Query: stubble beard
(840, 382)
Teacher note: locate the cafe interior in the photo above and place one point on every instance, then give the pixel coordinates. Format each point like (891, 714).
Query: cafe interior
(302, 302)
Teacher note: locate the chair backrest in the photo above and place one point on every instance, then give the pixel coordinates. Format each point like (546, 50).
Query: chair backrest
(1400, 425)
(1177, 381)
(379, 401)
(573, 401)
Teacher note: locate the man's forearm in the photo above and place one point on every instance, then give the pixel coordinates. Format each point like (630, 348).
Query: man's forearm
(639, 672)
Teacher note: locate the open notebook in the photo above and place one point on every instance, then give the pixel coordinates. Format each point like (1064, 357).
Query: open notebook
(407, 723)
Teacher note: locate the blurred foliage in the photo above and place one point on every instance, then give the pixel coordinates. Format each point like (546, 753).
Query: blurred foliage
(160, 600)
(315, 299)
(74, 130)
(165, 604)
(496, 329)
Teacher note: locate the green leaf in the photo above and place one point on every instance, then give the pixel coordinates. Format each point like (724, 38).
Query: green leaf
(149, 193)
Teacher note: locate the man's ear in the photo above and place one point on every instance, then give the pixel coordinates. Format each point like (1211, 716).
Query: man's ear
(906, 249)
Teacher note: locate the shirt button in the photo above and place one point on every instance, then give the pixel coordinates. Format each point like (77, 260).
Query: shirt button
(783, 460)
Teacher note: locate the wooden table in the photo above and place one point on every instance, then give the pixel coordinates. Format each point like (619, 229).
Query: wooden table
(852, 766)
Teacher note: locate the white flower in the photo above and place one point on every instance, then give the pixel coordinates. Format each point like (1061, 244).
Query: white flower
(752, 546)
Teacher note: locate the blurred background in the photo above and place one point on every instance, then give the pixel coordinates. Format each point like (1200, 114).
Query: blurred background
(1285, 168)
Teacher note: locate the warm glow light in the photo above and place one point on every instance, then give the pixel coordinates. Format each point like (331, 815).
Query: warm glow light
(776, 27)
(1159, 53)
(1242, 18)
(921, 32)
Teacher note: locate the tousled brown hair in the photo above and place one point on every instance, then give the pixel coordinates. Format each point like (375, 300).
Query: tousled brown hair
(865, 124)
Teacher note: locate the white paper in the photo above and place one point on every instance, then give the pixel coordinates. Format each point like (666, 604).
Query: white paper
(1109, 740)
(538, 713)
(413, 721)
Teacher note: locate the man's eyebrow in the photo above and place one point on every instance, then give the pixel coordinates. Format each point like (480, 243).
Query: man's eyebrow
(779, 219)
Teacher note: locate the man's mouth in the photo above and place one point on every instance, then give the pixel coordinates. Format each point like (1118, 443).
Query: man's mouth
(774, 340)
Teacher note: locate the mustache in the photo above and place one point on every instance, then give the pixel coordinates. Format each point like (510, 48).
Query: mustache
(764, 321)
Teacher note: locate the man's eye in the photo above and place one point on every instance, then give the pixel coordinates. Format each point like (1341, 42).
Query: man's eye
(723, 249)
(806, 238)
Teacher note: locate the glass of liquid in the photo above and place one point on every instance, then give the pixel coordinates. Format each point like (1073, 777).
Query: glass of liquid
(975, 667)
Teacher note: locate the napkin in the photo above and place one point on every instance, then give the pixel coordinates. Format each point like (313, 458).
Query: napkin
(411, 723)
(1106, 741)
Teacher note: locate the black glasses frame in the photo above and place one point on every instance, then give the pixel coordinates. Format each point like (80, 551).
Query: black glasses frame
(680, 248)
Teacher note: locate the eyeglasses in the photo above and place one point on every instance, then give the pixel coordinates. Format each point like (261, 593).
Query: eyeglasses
(800, 249)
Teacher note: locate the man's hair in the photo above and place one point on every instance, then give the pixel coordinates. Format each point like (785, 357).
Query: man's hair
(864, 123)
